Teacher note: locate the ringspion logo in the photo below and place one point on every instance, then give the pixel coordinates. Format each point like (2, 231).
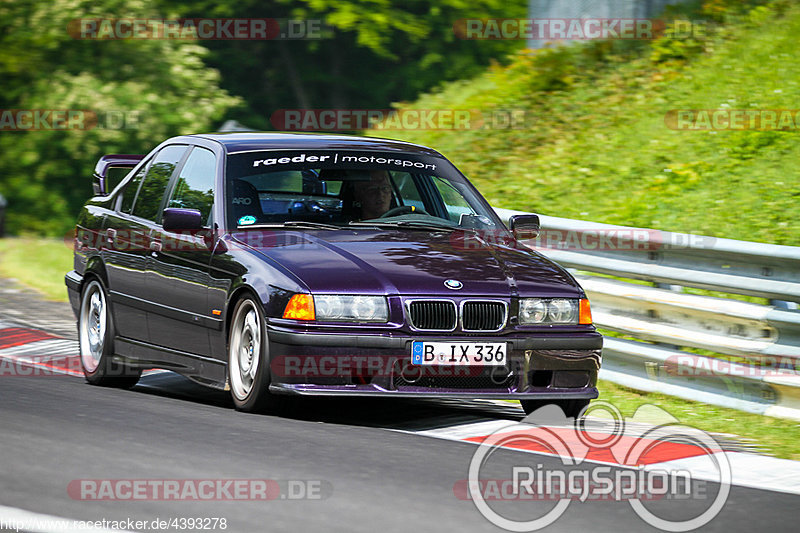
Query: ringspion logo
(641, 476)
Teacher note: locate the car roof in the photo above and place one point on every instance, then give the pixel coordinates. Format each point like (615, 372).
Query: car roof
(235, 142)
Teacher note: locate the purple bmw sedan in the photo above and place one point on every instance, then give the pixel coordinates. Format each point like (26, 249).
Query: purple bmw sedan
(275, 265)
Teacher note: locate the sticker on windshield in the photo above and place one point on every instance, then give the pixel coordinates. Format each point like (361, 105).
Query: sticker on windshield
(338, 159)
(247, 220)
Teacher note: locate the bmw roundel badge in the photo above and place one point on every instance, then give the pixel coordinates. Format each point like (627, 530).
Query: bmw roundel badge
(453, 284)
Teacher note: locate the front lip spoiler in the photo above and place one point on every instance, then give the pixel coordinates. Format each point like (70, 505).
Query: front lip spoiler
(318, 390)
(532, 341)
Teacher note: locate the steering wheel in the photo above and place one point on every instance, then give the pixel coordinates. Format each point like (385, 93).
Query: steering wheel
(403, 210)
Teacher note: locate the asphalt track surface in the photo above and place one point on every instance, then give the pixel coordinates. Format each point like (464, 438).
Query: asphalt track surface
(57, 429)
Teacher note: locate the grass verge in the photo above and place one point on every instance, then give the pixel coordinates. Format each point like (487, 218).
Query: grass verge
(774, 436)
(37, 263)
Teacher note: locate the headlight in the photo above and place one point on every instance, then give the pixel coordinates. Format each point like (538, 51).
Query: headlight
(549, 311)
(532, 311)
(351, 308)
(561, 311)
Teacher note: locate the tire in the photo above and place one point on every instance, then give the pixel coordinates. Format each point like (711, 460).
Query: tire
(571, 408)
(248, 360)
(96, 340)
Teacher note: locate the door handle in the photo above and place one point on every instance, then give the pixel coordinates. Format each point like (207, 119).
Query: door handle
(155, 246)
(111, 234)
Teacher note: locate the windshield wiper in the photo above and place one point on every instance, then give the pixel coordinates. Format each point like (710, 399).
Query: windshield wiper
(414, 224)
(293, 224)
(312, 225)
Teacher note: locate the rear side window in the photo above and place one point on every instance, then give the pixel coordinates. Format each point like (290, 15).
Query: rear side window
(152, 190)
(129, 194)
(195, 186)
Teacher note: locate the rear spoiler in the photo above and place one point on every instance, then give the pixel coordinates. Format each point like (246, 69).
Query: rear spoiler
(111, 161)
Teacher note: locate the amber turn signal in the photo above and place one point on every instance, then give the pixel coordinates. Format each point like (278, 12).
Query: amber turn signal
(300, 307)
(585, 312)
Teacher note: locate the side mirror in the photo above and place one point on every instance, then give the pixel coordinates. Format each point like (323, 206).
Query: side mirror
(107, 163)
(98, 185)
(524, 226)
(179, 219)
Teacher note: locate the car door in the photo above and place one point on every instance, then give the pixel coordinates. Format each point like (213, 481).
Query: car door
(128, 242)
(178, 265)
(125, 261)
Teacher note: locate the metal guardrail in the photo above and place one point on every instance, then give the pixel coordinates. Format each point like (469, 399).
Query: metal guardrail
(763, 339)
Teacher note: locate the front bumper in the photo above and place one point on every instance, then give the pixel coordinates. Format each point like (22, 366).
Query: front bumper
(542, 366)
(73, 281)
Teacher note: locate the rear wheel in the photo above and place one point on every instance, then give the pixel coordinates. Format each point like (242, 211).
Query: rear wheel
(248, 359)
(571, 408)
(96, 339)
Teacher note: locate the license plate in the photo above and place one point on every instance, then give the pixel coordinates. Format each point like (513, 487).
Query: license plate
(458, 353)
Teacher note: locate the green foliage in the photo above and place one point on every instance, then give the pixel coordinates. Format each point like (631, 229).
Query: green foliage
(373, 53)
(162, 87)
(595, 144)
(378, 51)
(670, 47)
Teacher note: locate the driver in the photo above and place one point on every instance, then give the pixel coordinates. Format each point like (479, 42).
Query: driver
(375, 195)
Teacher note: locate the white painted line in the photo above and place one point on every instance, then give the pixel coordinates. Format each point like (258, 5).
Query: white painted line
(748, 469)
(476, 429)
(15, 519)
(44, 347)
(464, 431)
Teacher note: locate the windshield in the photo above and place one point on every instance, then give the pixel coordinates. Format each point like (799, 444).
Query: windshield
(331, 189)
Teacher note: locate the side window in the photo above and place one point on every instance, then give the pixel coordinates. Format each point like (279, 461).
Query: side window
(407, 189)
(155, 182)
(129, 194)
(195, 186)
(456, 204)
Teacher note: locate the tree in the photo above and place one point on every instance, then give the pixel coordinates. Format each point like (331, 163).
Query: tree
(141, 91)
(374, 53)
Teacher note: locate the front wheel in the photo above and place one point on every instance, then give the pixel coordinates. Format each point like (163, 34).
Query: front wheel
(96, 337)
(571, 408)
(248, 359)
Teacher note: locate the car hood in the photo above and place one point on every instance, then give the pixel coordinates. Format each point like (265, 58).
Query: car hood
(411, 262)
